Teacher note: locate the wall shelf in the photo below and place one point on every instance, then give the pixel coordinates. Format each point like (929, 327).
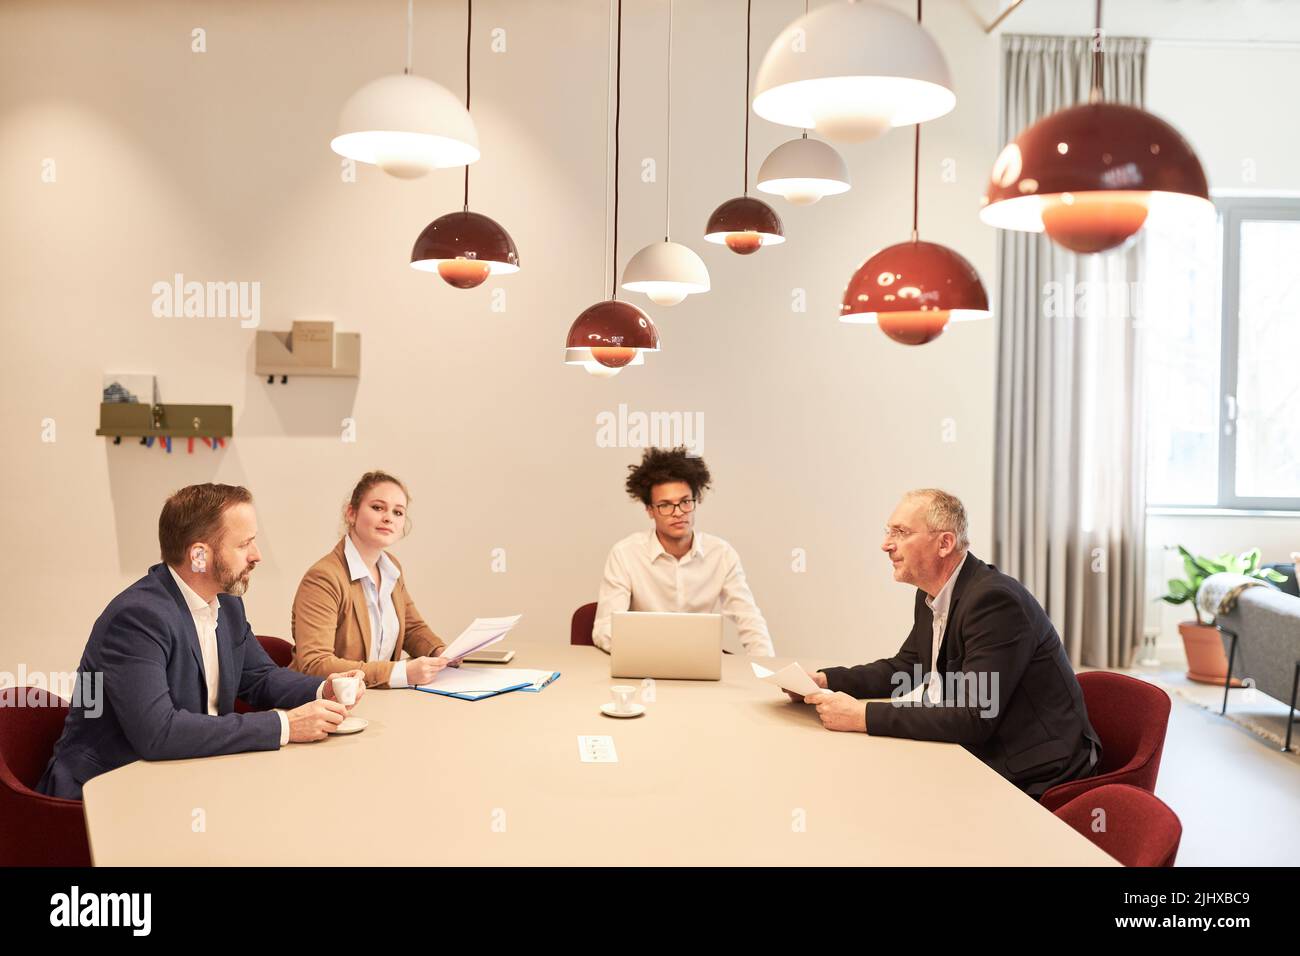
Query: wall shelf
(310, 348)
(138, 420)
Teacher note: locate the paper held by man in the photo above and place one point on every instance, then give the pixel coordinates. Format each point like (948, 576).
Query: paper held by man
(791, 677)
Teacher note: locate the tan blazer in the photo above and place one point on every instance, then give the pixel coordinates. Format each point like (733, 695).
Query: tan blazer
(331, 623)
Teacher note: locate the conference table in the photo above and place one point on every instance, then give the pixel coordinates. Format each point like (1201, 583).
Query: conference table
(726, 772)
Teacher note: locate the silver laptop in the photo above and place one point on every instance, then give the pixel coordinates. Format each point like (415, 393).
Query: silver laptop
(666, 646)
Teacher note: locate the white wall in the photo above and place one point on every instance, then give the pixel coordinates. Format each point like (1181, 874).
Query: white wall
(217, 166)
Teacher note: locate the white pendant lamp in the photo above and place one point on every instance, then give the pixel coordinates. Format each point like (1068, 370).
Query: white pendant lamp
(406, 125)
(803, 171)
(667, 271)
(851, 71)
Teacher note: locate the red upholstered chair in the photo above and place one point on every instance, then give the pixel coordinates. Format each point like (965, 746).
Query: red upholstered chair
(35, 830)
(280, 651)
(1132, 825)
(584, 619)
(1130, 716)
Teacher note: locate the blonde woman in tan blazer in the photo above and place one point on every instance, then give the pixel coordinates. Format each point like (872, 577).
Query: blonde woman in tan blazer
(353, 611)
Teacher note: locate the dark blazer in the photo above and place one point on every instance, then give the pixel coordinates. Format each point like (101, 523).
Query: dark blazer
(155, 703)
(1035, 732)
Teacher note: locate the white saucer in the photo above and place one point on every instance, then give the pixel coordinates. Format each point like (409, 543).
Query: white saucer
(609, 711)
(351, 725)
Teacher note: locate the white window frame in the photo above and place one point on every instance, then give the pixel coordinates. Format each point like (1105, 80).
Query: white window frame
(1232, 212)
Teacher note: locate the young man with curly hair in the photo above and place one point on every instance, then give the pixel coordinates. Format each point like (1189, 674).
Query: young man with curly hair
(672, 566)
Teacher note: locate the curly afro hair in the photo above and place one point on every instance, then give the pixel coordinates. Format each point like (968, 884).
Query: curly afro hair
(662, 465)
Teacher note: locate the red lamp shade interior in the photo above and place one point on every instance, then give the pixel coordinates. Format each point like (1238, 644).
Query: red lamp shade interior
(1089, 175)
(465, 248)
(745, 225)
(614, 331)
(1093, 222)
(912, 289)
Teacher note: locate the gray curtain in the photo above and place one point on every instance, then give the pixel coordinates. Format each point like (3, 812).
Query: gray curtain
(1069, 483)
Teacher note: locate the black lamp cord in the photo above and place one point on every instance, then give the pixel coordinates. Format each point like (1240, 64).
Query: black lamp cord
(1095, 94)
(618, 105)
(749, 8)
(668, 177)
(469, 29)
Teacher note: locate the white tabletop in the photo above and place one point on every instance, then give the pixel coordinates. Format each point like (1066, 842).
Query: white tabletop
(725, 773)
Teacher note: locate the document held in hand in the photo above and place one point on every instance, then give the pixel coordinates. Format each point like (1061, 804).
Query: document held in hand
(482, 632)
(791, 677)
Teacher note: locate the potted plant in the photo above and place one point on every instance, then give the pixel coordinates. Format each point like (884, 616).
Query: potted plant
(1206, 661)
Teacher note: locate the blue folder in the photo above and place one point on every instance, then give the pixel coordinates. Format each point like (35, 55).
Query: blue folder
(481, 694)
(472, 695)
(529, 688)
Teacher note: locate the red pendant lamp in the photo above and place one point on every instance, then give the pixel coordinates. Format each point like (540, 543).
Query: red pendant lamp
(611, 335)
(1091, 176)
(914, 289)
(745, 224)
(465, 247)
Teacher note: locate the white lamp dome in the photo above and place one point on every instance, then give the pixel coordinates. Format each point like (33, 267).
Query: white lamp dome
(851, 71)
(667, 272)
(406, 125)
(803, 171)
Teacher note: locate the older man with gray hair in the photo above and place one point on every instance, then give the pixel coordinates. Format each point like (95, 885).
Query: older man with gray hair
(982, 667)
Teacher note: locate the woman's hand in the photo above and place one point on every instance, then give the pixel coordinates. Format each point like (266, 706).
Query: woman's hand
(422, 670)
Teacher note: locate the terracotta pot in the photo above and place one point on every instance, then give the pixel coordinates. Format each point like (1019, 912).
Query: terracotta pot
(1206, 662)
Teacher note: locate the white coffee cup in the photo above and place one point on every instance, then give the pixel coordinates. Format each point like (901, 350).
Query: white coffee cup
(624, 697)
(345, 689)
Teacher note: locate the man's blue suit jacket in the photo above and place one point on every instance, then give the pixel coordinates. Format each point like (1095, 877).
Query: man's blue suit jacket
(155, 704)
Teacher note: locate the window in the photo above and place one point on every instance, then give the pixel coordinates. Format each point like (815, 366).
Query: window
(1223, 358)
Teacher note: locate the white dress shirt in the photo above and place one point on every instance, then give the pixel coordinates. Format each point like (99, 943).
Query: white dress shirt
(205, 623)
(641, 576)
(384, 625)
(938, 606)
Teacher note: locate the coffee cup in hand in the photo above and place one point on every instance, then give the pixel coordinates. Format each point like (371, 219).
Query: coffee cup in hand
(345, 689)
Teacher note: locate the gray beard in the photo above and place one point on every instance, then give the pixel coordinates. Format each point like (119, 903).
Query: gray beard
(229, 583)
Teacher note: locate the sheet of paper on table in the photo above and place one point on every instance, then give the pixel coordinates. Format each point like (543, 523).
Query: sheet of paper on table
(791, 677)
(597, 749)
(481, 633)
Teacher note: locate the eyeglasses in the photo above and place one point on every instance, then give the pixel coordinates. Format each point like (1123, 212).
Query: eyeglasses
(898, 534)
(687, 505)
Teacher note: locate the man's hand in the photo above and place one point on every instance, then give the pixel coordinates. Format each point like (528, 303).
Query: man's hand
(314, 720)
(839, 711)
(421, 670)
(818, 678)
(359, 674)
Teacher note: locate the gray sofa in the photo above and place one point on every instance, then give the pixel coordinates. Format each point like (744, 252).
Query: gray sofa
(1261, 637)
